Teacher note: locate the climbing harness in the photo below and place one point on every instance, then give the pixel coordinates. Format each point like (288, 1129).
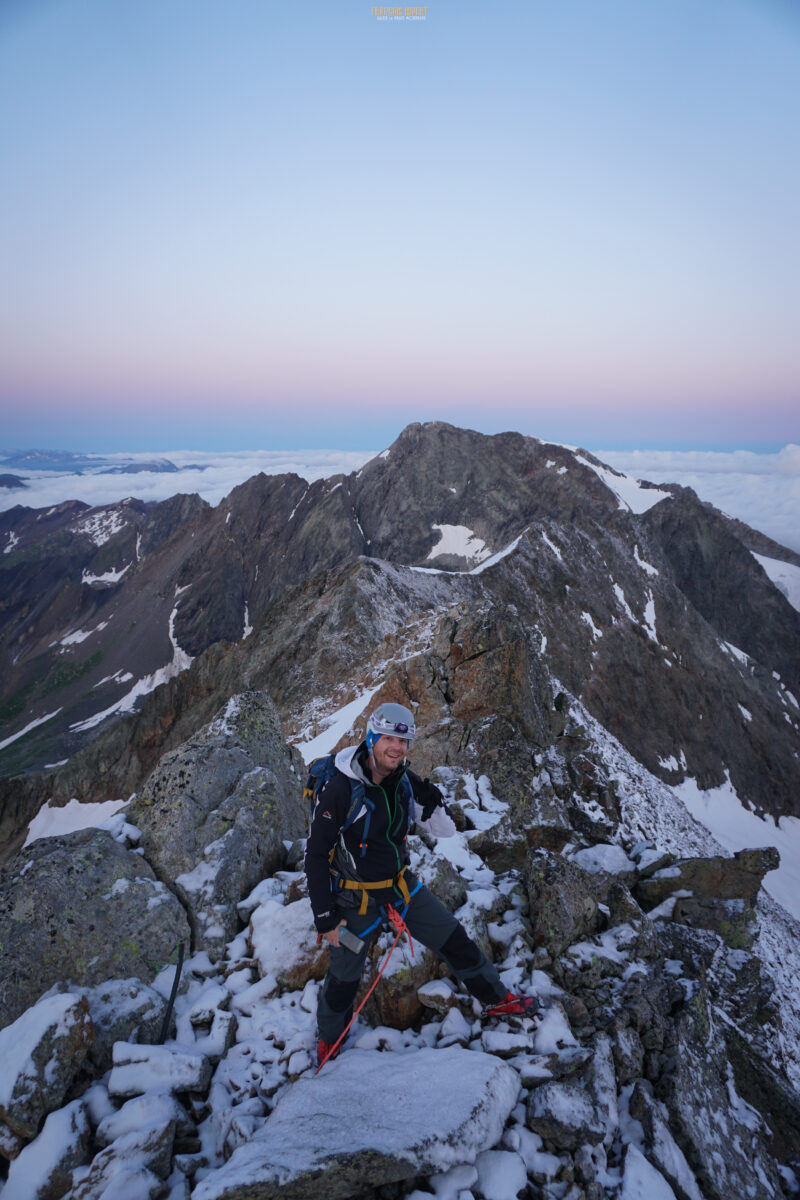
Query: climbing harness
(356, 885)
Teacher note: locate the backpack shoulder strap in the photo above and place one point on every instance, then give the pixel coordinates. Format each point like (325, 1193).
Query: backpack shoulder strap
(408, 788)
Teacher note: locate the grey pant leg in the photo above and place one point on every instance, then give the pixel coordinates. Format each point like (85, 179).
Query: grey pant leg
(433, 925)
(338, 991)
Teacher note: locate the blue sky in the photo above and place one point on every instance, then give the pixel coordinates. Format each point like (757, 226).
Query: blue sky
(283, 224)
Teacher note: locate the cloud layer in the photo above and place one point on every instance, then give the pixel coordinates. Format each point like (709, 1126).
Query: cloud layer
(763, 490)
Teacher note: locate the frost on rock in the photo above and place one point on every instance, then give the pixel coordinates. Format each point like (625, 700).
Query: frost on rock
(641, 1179)
(41, 1052)
(284, 943)
(140, 1069)
(455, 1104)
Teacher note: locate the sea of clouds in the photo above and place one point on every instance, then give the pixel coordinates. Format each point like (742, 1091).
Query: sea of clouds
(761, 489)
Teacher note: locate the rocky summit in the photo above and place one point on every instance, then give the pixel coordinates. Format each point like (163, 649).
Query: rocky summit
(584, 654)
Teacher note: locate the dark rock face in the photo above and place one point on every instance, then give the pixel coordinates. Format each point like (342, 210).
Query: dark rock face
(83, 605)
(63, 904)
(561, 899)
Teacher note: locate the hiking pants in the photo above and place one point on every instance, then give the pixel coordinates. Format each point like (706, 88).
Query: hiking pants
(430, 923)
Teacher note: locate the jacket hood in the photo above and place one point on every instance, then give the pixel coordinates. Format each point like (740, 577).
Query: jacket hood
(347, 762)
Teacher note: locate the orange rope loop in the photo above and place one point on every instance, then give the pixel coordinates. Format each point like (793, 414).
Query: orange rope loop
(399, 924)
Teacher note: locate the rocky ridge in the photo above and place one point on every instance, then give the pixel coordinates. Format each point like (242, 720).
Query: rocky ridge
(640, 599)
(665, 1056)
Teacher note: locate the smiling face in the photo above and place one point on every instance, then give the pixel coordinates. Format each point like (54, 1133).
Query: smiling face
(387, 754)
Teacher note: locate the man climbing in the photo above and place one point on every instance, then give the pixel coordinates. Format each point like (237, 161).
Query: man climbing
(357, 867)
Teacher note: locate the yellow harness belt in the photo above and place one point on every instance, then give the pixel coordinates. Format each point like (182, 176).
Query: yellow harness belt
(355, 885)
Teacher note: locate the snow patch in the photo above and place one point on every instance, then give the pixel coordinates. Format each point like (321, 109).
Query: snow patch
(552, 546)
(101, 525)
(51, 821)
(785, 576)
(596, 633)
(335, 727)
(603, 857)
(647, 567)
(630, 493)
(80, 635)
(736, 653)
(32, 725)
(672, 763)
(649, 622)
(179, 662)
(495, 558)
(735, 827)
(118, 677)
(623, 603)
(460, 541)
(110, 576)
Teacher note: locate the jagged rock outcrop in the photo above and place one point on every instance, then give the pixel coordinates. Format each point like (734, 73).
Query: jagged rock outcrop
(215, 813)
(656, 1060)
(122, 1010)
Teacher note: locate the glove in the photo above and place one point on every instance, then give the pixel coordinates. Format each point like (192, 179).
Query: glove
(429, 798)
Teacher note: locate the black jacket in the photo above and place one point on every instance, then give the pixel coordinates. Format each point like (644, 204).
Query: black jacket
(386, 850)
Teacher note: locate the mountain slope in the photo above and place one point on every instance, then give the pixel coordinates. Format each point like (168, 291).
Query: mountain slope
(642, 600)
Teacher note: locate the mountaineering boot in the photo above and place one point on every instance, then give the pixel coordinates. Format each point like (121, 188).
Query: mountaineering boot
(514, 1006)
(324, 1052)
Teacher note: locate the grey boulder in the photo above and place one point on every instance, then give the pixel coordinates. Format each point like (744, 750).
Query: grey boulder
(81, 908)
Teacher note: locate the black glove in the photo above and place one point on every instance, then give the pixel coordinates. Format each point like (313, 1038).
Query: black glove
(429, 797)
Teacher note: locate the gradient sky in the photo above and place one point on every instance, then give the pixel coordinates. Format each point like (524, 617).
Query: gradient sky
(230, 223)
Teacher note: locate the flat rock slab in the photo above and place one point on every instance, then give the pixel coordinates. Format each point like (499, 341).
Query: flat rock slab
(367, 1119)
(140, 1069)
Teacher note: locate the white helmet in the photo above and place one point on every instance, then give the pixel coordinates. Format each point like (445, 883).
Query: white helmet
(390, 719)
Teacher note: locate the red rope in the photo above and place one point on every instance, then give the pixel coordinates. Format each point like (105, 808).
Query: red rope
(399, 924)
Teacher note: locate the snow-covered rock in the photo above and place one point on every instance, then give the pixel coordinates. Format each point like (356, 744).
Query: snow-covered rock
(140, 1069)
(41, 1052)
(216, 811)
(44, 1168)
(565, 1115)
(284, 943)
(122, 1010)
(134, 1165)
(447, 1106)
